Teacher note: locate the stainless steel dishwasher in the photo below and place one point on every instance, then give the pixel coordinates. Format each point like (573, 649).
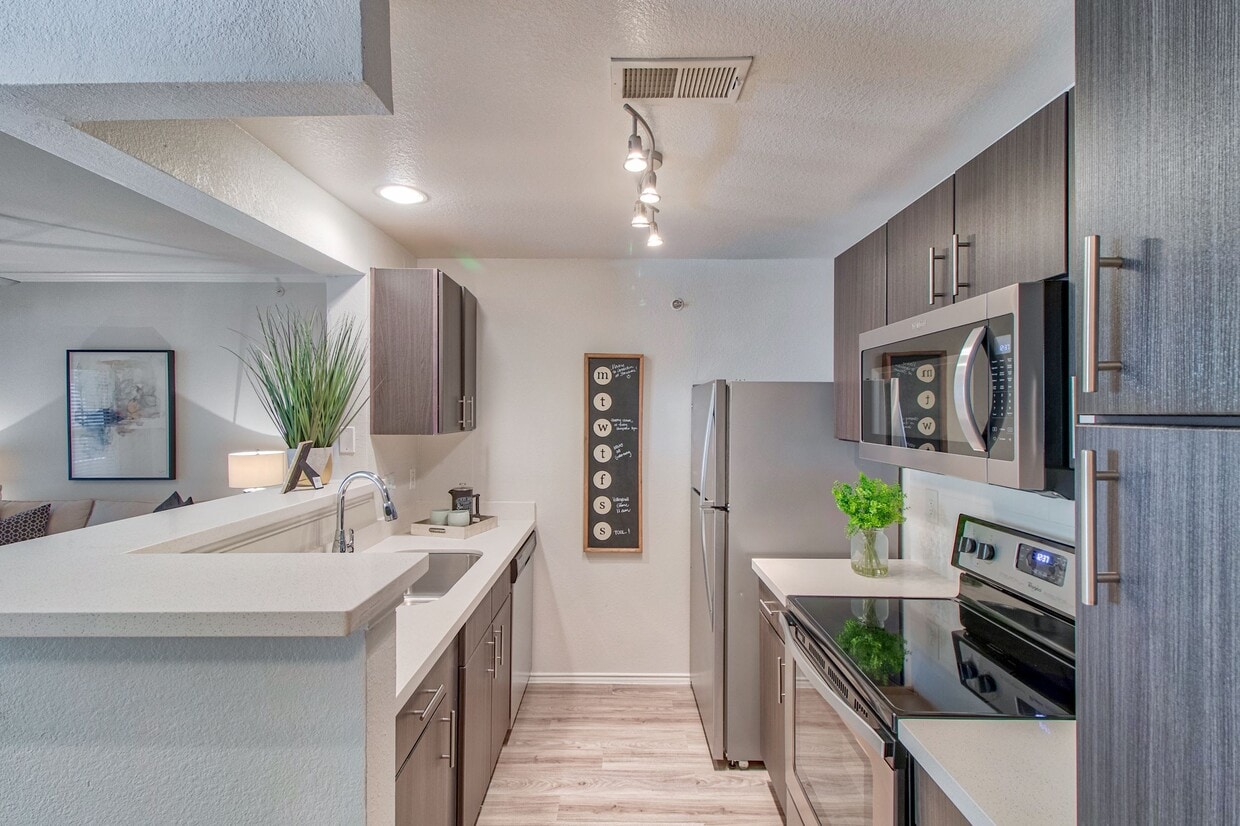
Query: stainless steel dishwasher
(522, 622)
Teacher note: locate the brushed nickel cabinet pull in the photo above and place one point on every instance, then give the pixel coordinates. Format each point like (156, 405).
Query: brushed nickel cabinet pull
(956, 245)
(930, 293)
(1087, 502)
(451, 755)
(434, 702)
(781, 681)
(1089, 345)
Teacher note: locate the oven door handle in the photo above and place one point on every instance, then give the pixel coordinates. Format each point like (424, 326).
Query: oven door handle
(866, 734)
(963, 386)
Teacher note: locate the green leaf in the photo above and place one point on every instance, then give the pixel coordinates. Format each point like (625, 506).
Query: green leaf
(870, 504)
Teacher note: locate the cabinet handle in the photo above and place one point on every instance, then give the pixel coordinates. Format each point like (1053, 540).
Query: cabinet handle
(472, 421)
(956, 245)
(1089, 347)
(781, 681)
(494, 665)
(461, 421)
(771, 607)
(434, 702)
(451, 755)
(930, 293)
(499, 647)
(1087, 502)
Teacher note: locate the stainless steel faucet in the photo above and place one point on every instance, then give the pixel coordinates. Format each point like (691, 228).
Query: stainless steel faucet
(344, 541)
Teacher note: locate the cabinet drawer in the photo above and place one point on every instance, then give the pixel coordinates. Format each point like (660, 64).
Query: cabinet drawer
(434, 696)
(476, 627)
(500, 592)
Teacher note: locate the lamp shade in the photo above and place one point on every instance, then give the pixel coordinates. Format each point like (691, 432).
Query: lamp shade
(256, 468)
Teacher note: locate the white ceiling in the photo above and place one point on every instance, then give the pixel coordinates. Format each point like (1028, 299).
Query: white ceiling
(59, 220)
(504, 116)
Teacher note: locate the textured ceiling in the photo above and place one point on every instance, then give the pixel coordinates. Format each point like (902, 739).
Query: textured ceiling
(504, 115)
(59, 219)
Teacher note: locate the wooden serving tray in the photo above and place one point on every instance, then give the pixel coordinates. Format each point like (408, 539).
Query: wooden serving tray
(480, 524)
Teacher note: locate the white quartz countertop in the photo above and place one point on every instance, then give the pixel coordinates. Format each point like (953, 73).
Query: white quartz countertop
(425, 631)
(139, 578)
(836, 578)
(1000, 772)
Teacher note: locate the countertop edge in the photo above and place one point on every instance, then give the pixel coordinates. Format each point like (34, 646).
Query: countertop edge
(951, 787)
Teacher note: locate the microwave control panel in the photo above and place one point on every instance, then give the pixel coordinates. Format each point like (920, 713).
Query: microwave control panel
(1001, 344)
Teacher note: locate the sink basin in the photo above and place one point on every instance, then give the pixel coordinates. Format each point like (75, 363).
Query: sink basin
(446, 569)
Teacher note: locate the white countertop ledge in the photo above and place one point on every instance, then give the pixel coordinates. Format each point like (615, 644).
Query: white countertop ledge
(836, 578)
(139, 577)
(1000, 772)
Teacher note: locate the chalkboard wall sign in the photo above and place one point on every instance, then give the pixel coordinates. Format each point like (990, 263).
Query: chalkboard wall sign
(613, 448)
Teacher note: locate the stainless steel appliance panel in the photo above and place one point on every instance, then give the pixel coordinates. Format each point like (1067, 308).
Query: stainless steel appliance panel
(522, 622)
(706, 621)
(709, 466)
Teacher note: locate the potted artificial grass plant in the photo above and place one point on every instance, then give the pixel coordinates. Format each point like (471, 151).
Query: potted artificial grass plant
(870, 506)
(308, 376)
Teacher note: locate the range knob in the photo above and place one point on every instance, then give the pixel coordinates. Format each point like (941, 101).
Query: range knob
(968, 671)
(966, 545)
(986, 684)
(985, 551)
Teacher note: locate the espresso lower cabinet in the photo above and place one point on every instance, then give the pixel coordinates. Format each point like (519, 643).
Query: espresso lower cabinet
(771, 700)
(931, 806)
(486, 696)
(501, 691)
(426, 750)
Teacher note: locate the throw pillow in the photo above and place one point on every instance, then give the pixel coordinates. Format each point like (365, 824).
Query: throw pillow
(29, 524)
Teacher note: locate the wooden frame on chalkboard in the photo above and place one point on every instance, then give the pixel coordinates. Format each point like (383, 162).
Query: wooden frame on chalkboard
(628, 416)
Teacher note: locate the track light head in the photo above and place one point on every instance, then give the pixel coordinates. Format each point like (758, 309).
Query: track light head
(649, 192)
(654, 239)
(642, 215)
(635, 161)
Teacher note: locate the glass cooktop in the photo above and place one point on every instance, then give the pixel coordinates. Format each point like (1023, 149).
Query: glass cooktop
(930, 657)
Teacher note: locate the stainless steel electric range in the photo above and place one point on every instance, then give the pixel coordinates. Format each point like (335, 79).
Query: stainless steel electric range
(1004, 647)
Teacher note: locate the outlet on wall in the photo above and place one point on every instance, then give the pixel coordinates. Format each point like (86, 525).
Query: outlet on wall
(932, 507)
(413, 478)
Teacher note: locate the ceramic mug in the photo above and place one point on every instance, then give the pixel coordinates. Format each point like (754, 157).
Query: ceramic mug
(440, 516)
(458, 518)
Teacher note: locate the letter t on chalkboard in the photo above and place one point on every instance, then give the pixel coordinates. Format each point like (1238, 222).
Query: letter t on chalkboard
(613, 453)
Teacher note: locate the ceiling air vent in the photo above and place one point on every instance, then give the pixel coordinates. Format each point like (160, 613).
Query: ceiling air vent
(674, 78)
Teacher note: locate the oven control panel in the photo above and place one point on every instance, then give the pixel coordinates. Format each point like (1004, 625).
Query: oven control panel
(1039, 569)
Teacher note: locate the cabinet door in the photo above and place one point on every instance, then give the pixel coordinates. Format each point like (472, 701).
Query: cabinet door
(771, 659)
(1012, 206)
(469, 357)
(501, 690)
(450, 385)
(860, 305)
(426, 783)
(477, 676)
(1157, 167)
(931, 806)
(1158, 702)
(912, 276)
(404, 318)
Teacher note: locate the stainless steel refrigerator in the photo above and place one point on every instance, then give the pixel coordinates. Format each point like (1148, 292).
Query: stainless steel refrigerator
(764, 458)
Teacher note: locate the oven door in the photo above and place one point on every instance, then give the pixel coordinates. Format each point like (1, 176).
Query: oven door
(843, 762)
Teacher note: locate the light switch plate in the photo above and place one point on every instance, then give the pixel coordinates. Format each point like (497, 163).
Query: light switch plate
(348, 441)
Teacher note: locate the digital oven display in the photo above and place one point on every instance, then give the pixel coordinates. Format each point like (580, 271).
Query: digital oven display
(1045, 565)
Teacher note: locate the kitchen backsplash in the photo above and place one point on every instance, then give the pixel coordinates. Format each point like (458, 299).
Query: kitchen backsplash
(930, 526)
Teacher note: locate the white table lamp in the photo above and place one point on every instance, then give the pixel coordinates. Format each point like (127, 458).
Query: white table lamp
(254, 470)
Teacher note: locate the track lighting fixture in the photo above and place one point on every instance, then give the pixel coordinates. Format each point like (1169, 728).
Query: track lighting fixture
(644, 161)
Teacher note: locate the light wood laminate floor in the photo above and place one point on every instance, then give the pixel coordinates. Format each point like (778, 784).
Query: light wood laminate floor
(618, 754)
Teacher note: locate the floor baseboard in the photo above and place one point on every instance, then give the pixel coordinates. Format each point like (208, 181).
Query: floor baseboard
(605, 678)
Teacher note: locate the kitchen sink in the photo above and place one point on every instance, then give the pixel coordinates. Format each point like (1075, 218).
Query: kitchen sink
(446, 569)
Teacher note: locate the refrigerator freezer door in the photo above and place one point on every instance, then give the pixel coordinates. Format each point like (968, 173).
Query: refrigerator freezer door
(706, 621)
(709, 466)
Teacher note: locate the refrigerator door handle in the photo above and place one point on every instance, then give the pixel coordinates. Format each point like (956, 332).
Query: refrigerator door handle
(710, 599)
(707, 444)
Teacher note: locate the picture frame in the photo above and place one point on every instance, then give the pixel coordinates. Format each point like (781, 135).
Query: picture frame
(120, 410)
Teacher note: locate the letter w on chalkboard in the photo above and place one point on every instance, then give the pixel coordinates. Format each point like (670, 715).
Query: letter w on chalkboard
(613, 453)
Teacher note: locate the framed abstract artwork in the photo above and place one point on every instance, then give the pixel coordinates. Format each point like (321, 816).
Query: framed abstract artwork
(121, 414)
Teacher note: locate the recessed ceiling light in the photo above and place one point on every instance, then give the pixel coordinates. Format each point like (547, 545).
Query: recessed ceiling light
(402, 194)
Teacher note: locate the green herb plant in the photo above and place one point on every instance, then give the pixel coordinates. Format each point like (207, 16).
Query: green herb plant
(870, 506)
(876, 651)
(307, 373)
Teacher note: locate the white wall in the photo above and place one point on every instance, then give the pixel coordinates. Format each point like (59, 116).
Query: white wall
(768, 320)
(930, 529)
(217, 411)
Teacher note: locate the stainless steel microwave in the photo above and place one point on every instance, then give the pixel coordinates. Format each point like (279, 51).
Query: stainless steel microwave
(978, 390)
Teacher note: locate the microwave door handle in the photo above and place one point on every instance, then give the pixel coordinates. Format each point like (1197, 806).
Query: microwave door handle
(963, 384)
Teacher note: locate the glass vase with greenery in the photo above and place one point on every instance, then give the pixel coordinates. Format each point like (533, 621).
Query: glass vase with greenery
(870, 505)
(307, 373)
(876, 651)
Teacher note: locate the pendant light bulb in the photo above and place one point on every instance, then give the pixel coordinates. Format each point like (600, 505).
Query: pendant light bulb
(649, 194)
(655, 239)
(641, 215)
(636, 160)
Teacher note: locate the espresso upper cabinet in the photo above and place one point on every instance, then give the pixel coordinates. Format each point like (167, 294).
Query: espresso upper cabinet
(860, 305)
(423, 353)
(1157, 169)
(1012, 208)
(918, 238)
